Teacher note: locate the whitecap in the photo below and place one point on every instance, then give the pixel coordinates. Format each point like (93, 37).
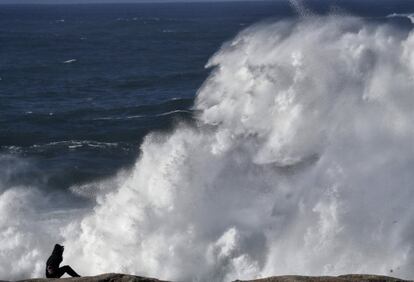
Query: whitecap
(70, 61)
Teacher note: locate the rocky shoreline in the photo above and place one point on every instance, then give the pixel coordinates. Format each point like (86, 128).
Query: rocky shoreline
(341, 278)
(116, 277)
(108, 277)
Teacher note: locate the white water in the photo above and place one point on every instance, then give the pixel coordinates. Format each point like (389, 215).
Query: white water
(301, 163)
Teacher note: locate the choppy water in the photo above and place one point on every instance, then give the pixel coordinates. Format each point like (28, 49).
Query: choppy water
(291, 153)
(82, 85)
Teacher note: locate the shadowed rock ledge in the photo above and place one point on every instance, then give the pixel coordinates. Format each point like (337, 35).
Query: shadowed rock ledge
(108, 277)
(115, 277)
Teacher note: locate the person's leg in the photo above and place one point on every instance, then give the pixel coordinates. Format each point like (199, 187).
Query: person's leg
(52, 273)
(59, 272)
(67, 269)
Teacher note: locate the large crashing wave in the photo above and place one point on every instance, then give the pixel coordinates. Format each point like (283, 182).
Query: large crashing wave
(301, 162)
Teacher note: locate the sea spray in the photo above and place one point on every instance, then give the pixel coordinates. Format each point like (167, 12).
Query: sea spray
(300, 162)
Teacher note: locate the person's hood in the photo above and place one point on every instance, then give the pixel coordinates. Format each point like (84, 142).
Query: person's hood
(58, 249)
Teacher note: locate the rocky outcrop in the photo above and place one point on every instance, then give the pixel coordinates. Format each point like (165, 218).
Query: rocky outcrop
(109, 277)
(342, 278)
(114, 277)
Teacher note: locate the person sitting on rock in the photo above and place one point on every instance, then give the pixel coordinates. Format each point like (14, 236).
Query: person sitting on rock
(52, 265)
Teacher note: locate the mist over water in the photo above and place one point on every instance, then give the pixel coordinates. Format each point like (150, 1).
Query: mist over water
(299, 162)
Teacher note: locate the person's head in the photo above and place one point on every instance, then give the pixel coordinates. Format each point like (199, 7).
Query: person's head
(58, 249)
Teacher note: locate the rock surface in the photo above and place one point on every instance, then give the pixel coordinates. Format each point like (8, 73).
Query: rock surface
(114, 277)
(109, 277)
(342, 278)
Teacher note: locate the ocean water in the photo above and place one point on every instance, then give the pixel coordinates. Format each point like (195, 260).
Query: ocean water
(208, 141)
(81, 85)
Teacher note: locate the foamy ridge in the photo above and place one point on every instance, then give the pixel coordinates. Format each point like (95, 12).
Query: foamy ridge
(301, 163)
(408, 16)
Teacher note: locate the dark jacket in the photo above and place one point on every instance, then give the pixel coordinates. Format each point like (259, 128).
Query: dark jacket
(52, 264)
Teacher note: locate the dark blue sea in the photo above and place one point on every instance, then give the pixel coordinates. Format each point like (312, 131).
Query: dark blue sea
(81, 85)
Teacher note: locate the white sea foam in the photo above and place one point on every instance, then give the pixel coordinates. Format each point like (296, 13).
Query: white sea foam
(144, 116)
(173, 112)
(301, 163)
(71, 144)
(70, 61)
(29, 221)
(402, 15)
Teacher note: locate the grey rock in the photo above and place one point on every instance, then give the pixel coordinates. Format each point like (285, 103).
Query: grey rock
(116, 277)
(109, 277)
(342, 278)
